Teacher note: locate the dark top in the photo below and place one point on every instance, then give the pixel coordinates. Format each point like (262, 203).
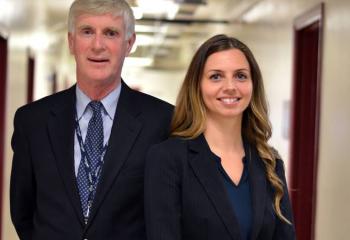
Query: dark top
(44, 197)
(186, 199)
(239, 197)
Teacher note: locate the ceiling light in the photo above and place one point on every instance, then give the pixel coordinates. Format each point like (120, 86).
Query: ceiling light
(257, 11)
(146, 28)
(142, 39)
(7, 11)
(40, 40)
(137, 12)
(159, 8)
(37, 41)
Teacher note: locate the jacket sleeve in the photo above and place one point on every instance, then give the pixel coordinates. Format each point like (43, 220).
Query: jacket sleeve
(162, 195)
(284, 231)
(22, 190)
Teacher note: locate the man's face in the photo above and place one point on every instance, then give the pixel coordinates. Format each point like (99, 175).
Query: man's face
(99, 46)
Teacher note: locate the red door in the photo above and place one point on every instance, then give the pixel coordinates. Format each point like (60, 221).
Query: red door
(30, 78)
(3, 76)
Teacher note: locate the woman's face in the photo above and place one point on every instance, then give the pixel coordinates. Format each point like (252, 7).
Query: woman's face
(226, 84)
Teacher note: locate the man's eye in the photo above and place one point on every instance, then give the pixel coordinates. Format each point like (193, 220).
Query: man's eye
(111, 33)
(215, 76)
(86, 31)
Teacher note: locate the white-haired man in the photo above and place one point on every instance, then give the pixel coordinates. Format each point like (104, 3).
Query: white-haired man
(78, 161)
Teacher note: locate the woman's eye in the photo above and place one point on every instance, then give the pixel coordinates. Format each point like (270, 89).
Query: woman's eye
(241, 76)
(215, 76)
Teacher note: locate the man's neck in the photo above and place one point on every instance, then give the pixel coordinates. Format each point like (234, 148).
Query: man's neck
(97, 91)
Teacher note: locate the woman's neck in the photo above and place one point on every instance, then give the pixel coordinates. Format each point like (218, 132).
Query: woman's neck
(224, 136)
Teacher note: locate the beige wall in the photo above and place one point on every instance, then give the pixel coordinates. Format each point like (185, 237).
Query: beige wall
(160, 83)
(333, 192)
(273, 52)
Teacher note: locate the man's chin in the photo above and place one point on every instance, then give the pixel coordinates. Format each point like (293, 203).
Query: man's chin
(104, 81)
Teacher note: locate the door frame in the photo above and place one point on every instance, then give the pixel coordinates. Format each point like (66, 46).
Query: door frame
(300, 167)
(30, 75)
(3, 88)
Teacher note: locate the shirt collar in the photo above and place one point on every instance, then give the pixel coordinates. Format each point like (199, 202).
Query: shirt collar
(109, 102)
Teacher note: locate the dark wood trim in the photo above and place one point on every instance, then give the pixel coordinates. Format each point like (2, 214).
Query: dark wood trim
(3, 87)
(54, 82)
(310, 19)
(30, 77)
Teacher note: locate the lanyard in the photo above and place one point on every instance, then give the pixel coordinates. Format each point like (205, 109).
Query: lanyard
(91, 176)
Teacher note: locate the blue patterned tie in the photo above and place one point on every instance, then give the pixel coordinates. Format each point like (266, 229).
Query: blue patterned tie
(94, 148)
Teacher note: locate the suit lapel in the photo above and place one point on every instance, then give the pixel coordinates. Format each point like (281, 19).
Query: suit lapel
(61, 135)
(125, 130)
(205, 169)
(257, 181)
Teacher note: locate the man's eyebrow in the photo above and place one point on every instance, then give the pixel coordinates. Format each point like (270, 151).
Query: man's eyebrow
(112, 29)
(84, 26)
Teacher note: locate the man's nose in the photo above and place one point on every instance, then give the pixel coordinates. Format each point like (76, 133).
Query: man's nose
(98, 42)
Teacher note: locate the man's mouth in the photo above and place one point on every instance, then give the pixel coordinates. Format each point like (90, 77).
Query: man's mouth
(98, 60)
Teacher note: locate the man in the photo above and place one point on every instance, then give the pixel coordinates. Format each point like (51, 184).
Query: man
(78, 161)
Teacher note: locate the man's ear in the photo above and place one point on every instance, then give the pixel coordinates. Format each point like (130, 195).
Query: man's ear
(130, 43)
(70, 42)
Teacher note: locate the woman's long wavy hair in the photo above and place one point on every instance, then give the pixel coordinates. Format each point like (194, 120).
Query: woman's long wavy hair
(190, 112)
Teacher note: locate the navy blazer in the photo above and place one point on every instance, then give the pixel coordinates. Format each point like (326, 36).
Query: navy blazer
(44, 194)
(186, 199)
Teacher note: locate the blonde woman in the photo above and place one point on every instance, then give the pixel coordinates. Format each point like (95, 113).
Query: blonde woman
(217, 177)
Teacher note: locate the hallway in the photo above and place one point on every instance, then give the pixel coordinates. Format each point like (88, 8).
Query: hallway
(168, 33)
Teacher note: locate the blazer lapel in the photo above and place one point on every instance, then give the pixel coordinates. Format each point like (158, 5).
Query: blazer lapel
(61, 135)
(257, 179)
(205, 169)
(125, 130)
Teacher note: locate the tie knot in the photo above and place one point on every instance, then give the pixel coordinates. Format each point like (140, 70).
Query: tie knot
(96, 107)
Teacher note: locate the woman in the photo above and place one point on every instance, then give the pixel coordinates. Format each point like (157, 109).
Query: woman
(217, 178)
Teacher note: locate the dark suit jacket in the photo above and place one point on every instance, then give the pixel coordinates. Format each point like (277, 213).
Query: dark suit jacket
(44, 195)
(186, 199)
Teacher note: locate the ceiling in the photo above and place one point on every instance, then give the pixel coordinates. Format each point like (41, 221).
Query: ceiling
(166, 29)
